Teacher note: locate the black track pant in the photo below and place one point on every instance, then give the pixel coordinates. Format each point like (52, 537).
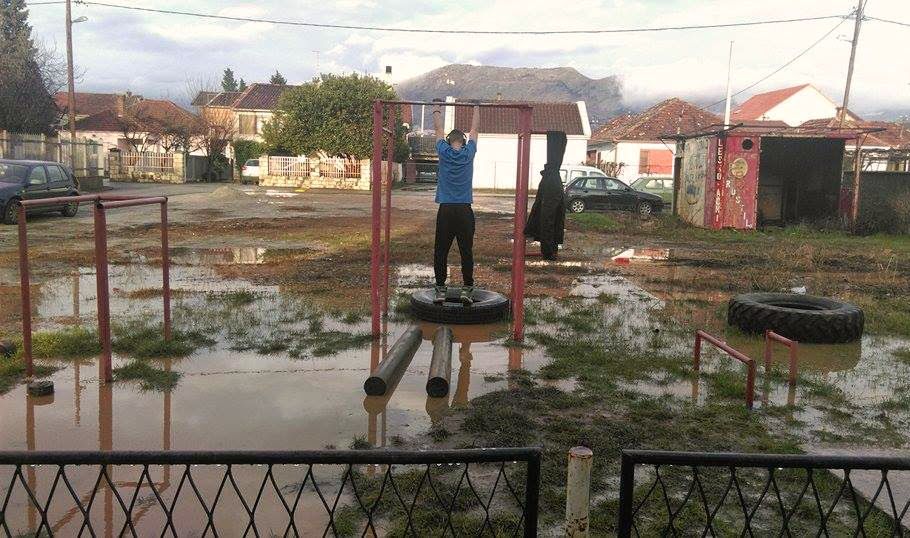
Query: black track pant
(454, 221)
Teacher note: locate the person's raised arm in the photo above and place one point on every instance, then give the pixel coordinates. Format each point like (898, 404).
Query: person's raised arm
(437, 122)
(475, 122)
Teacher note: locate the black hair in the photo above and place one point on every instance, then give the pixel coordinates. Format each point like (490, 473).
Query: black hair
(456, 134)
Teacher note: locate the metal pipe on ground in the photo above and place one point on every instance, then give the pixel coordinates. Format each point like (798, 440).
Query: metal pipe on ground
(578, 492)
(441, 364)
(391, 370)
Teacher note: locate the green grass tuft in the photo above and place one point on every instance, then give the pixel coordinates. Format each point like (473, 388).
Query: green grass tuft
(148, 377)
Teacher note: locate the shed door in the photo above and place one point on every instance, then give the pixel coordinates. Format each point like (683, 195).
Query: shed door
(740, 182)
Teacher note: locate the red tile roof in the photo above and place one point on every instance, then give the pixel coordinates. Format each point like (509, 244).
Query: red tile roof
(87, 103)
(203, 98)
(544, 117)
(669, 117)
(225, 99)
(895, 135)
(149, 110)
(261, 96)
(759, 104)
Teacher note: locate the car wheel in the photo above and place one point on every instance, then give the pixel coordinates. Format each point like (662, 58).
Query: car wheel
(577, 205)
(11, 212)
(645, 209)
(70, 210)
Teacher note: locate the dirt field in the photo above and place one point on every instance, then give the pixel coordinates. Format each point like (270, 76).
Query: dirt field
(271, 309)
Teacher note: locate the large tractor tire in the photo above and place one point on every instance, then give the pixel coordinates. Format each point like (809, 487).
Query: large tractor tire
(488, 307)
(804, 318)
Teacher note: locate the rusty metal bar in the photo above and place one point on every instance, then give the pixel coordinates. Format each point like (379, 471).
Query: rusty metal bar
(165, 272)
(25, 292)
(723, 346)
(390, 153)
(521, 210)
(519, 106)
(376, 211)
(792, 345)
(132, 202)
(103, 292)
(63, 200)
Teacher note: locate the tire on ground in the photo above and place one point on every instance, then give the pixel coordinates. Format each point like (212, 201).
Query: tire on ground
(488, 307)
(804, 318)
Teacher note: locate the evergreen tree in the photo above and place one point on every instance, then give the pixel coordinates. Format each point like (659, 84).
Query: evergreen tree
(278, 78)
(228, 82)
(241, 86)
(26, 105)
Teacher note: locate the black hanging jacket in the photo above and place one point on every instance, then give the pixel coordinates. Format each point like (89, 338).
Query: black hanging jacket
(547, 220)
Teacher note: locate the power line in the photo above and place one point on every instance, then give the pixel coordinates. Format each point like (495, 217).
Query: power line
(787, 64)
(899, 23)
(443, 31)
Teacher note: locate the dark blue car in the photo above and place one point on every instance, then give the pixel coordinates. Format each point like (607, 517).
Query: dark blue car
(33, 180)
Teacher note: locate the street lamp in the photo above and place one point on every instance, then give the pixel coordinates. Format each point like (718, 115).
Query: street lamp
(71, 84)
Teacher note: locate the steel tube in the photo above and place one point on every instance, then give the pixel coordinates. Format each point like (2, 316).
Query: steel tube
(521, 194)
(532, 494)
(165, 272)
(440, 374)
(25, 293)
(626, 494)
(114, 204)
(103, 301)
(723, 346)
(785, 461)
(578, 492)
(770, 338)
(390, 153)
(390, 371)
(375, 185)
(61, 201)
(519, 106)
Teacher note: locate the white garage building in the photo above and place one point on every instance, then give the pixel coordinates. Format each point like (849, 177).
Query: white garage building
(497, 139)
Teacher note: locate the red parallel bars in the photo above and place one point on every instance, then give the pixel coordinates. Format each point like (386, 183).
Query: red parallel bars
(377, 260)
(723, 346)
(101, 202)
(770, 338)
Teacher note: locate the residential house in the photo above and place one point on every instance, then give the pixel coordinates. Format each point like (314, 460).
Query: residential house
(497, 140)
(88, 103)
(886, 145)
(631, 146)
(793, 106)
(136, 124)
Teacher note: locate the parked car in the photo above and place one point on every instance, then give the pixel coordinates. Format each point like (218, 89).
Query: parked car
(250, 171)
(591, 193)
(660, 185)
(33, 180)
(571, 172)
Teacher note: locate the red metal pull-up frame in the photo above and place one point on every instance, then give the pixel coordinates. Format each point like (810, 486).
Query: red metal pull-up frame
(102, 202)
(770, 338)
(725, 347)
(380, 247)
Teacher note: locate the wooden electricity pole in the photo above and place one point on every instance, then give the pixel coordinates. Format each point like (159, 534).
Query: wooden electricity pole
(860, 6)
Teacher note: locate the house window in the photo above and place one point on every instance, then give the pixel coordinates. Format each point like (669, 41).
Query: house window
(248, 124)
(655, 161)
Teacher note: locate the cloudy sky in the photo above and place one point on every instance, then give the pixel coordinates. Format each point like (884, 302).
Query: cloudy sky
(155, 54)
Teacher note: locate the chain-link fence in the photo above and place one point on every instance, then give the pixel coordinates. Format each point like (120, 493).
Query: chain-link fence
(490, 492)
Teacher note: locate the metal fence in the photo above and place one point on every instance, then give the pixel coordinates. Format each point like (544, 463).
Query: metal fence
(312, 493)
(699, 494)
(87, 159)
(148, 161)
(339, 168)
(289, 166)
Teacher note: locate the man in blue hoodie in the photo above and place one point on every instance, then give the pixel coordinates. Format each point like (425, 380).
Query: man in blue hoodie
(455, 218)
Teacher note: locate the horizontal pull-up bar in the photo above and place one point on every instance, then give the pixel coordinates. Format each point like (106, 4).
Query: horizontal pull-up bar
(113, 204)
(518, 106)
(64, 200)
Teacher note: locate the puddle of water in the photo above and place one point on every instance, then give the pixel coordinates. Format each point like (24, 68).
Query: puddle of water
(218, 256)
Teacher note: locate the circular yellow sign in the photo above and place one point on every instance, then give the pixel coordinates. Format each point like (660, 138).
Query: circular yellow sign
(739, 167)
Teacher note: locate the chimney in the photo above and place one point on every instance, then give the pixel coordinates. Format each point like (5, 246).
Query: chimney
(499, 96)
(121, 105)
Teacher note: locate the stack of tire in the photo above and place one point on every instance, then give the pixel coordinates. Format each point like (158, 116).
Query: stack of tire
(804, 318)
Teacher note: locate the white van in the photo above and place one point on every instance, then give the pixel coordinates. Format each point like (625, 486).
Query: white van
(570, 172)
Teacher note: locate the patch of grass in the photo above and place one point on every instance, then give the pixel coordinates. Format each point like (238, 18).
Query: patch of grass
(69, 343)
(607, 298)
(600, 222)
(12, 371)
(148, 377)
(143, 339)
(238, 298)
(360, 443)
(903, 355)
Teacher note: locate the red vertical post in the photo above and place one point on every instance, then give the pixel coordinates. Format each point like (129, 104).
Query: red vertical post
(696, 352)
(376, 186)
(25, 292)
(165, 272)
(792, 375)
(750, 384)
(515, 223)
(390, 154)
(103, 301)
(767, 352)
(521, 195)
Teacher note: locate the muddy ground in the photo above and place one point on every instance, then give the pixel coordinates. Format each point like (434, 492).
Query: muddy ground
(271, 308)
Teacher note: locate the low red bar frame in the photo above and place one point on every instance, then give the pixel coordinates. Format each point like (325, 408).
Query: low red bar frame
(380, 249)
(770, 338)
(723, 346)
(102, 202)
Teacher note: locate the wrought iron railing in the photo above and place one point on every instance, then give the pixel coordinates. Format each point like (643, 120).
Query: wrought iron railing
(488, 492)
(711, 494)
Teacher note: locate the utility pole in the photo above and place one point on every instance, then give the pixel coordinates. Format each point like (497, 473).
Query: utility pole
(860, 6)
(729, 76)
(71, 90)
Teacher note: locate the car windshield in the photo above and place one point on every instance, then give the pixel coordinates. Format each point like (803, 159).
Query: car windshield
(12, 173)
(640, 182)
(252, 162)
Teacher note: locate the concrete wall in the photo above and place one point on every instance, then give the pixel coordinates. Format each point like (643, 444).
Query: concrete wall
(806, 104)
(884, 201)
(317, 181)
(118, 172)
(495, 162)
